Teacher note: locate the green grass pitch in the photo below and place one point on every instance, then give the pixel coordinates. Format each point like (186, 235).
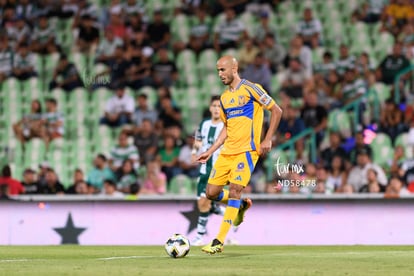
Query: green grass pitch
(235, 260)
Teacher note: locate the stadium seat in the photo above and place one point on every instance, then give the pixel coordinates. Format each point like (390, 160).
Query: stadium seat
(339, 121)
(381, 140)
(402, 140)
(181, 185)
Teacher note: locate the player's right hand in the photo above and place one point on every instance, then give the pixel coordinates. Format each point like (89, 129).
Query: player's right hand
(203, 158)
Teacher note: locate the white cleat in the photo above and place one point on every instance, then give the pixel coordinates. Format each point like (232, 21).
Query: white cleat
(198, 241)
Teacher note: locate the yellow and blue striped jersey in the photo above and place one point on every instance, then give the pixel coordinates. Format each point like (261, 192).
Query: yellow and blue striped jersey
(242, 112)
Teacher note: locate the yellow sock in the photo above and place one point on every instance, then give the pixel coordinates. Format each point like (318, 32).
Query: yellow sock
(230, 215)
(223, 196)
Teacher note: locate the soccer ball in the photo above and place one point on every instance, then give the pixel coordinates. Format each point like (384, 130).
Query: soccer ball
(177, 246)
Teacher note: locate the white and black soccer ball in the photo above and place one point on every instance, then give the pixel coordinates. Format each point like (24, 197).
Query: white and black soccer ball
(177, 246)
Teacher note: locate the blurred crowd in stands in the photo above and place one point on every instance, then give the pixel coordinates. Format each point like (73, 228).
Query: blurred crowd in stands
(137, 50)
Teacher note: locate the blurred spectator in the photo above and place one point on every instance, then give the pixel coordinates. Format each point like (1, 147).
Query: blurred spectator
(110, 189)
(188, 166)
(54, 122)
(358, 175)
(117, 24)
(309, 28)
(315, 115)
(143, 111)
(146, 140)
(158, 31)
(336, 174)
(360, 145)
(41, 175)
(371, 11)
(19, 32)
(372, 185)
(155, 181)
(302, 52)
(123, 151)
(135, 25)
(85, 7)
(88, 36)
(79, 188)
(395, 188)
(200, 32)
(364, 65)
(65, 76)
(139, 71)
(164, 71)
(117, 70)
(229, 32)
(168, 157)
(345, 189)
(266, 27)
(302, 156)
(397, 13)
(407, 39)
(326, 66)
(31, 124)
(24, 66)
(25, 9)
(6, 59)
(392, 65)
(397, 161)
(333, 150)
(352, 88)
(259, 72)
(6, 179)
(391, 121)
(345, 60)
(43, 38)
(247, 53)
(290, 125)
(223, 5)
(106, 49)
(297, 81)
(30, 184)
(99, 173)
(134, 190)
(126, 176)
(274, 53)
(53, 185)
(119, 109)
(169, 116)
(78, 177)
(114, 7)
(134, 7)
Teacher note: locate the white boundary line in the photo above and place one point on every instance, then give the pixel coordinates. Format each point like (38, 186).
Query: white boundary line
(126, 257)
(14, 260)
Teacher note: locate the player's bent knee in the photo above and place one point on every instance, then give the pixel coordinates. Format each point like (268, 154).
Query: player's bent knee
(212, 191)
(235, 191)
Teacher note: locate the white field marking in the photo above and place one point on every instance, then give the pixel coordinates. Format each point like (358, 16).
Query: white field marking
(334, 254)
(126, 257)
(15, 260)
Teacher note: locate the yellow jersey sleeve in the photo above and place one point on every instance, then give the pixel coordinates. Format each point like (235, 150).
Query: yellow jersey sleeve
(260, 95)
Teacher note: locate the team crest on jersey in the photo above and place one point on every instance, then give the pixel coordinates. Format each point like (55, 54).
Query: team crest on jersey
(240, 167)
(242, 100)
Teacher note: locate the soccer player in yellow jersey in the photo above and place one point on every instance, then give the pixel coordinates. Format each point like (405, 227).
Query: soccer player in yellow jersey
(242, 107)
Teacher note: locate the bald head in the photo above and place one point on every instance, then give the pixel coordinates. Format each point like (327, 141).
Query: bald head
(227, 67)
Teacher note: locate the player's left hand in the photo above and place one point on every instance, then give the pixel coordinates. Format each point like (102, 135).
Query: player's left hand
(265, 147)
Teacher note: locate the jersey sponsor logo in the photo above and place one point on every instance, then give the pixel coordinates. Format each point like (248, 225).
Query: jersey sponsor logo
(238, 178)
(234, 113)
(231, 101)
(265, 99)
(240, 167)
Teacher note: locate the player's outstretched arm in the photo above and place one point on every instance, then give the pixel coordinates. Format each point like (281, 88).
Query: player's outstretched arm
(203, 158)
(276, 115)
